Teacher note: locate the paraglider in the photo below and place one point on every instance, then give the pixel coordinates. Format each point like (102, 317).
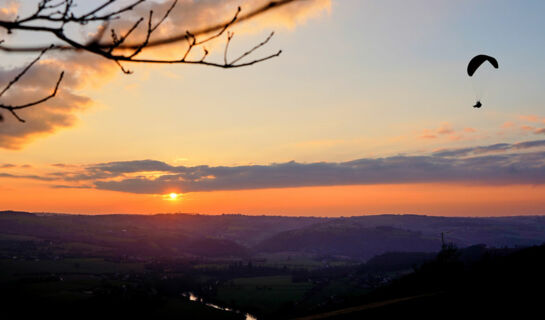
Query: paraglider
(477, 61)
(474, 64)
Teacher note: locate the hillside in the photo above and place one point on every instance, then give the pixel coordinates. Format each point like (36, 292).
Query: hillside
(501, 283)
(242, 236)
(346, 238)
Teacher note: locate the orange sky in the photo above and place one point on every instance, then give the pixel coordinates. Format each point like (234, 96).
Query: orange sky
(430, 199)
(358, 81)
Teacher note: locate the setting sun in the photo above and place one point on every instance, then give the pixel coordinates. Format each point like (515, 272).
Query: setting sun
(172, 196)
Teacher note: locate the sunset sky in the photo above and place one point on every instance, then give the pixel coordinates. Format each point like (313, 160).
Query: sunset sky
(368, 110)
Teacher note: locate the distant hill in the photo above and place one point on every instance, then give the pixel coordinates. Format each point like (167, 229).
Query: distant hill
(118, 234)
(238, 235)
(367, 236)
(467, 231)
(8, 212)
(348, 238)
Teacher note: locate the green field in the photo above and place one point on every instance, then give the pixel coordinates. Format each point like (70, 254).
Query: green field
(261, 294)
(294, 260)
(15, 267)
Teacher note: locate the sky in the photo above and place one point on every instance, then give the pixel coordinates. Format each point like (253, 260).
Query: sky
(368, 110)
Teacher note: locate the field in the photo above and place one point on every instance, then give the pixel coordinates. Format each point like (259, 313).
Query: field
(17, 267)
(262, 294)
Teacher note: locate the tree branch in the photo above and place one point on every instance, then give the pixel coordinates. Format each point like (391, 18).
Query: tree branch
(13, 109)
(55, 16)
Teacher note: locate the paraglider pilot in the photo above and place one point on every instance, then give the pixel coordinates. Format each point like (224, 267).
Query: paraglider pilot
(475, 63)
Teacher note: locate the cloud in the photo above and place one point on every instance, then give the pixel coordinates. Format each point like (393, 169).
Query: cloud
(428, 135)
(531, 118)
(497, 164)
(190, 15)
(445, 130)
(507, 125)
(83, 70)
(9, 9)
(63, 165)
(498, 147)
(52, 115)
(63, 186)
(532, 129)
(499, 169)
(30, 176)
(534, 120)
(116, 168)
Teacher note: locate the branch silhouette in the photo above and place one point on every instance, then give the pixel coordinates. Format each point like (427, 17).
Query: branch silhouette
(14, 108)
(54, 17)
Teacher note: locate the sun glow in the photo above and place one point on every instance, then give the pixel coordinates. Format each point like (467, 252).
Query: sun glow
(172, 196)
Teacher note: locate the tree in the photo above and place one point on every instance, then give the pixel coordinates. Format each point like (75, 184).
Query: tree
(56, 17)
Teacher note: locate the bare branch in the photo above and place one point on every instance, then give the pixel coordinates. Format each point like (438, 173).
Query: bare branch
(55, 16)
(117, 41)
(22, 73)
(13, 109)
(158, 42)
(230, 36)
(249, 52)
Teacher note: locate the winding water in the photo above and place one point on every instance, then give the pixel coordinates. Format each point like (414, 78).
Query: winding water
(193, 297)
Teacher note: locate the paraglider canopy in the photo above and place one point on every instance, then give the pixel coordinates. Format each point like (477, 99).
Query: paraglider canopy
(478, 81)
(477, 61)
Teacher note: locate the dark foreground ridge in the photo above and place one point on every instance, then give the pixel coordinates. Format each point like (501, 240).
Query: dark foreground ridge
(496, 284)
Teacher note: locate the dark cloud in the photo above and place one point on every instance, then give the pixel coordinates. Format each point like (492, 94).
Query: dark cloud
(63, 186)
(499, 147)
(131, 166)
(497, 164)
(529, 144)
(526, 168)
(30, 176)
(61, 165)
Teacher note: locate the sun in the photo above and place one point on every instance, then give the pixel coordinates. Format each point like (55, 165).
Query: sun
(172, 196)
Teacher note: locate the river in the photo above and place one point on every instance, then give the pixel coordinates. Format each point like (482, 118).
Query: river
(193, 297)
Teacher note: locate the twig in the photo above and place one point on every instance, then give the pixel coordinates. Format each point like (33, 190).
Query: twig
(54, 17)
